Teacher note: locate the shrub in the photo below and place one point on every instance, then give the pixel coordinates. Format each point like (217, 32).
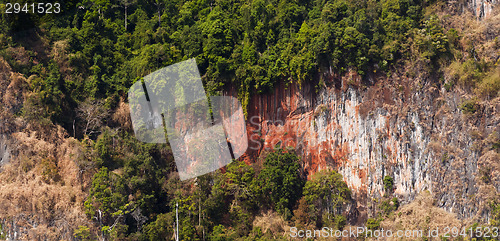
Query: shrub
(495, 213)
(388, 183)
(467, 73)
(485, 173)
(83, 233)
(219, 233)
(490, 86)
(373, 224)
(395, 202)
(388, 206)
(50, 171)
(469, 106)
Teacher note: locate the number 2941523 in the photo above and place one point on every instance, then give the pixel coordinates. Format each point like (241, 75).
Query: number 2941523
(41, 8)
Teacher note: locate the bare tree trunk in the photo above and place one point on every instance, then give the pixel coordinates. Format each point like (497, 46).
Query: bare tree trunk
(159, 17)
(158, 7)
(126, 6)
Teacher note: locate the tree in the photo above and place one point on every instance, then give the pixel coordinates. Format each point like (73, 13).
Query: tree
(240, 183)
(280, 181)
(388, 183)
(101, 5)
(93, 113)
(161, 228)
(106, 203)
(326, 193)
(125, 4)
(139, 218)
(159, 4)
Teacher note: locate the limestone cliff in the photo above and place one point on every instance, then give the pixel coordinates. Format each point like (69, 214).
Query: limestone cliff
(482, 9)
(407, 125)
(399, 126)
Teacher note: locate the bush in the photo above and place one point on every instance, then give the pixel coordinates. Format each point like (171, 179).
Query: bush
(467, 73)
(219, 233)
(495, 213)
(83, 233)
(469, 106)
(373, 224)
(388, 183)
(490, 86)
(50, 172)
(388, 206)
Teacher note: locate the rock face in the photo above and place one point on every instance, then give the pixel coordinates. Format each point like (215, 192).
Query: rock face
(398, 127)
(482, 8)
(4, 151)
(5, 72)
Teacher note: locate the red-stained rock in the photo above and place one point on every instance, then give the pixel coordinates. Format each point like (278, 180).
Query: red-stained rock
(369, 130)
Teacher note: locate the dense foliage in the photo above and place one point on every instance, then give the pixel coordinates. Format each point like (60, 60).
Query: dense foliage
(326, 195)
(280, 181)
(134, 195)
(251, 44)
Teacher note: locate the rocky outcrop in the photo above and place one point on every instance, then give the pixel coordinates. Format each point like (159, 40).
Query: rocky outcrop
(34, 205)
(482, 8)
(5, 72)
(406, 128)
(4, 151)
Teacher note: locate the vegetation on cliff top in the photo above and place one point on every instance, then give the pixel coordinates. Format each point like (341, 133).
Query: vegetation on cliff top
(250, 44)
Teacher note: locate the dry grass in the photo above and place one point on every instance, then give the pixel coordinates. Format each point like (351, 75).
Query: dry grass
(28, 205)
(477, 34)
(435, 146)
(60, 54)
(421, 214)
(121, 117)
(272, 223)
(488, 175)
(4, 66)
(41, 190)
(490, 86)
(477, 47)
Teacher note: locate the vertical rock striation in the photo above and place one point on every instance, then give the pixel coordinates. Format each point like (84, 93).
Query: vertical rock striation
(399, 127)
(4, 151)
(482, 8)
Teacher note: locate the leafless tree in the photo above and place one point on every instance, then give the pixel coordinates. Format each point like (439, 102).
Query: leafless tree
(159, 4)
(139, 218)
(93, 113)
(125, 4)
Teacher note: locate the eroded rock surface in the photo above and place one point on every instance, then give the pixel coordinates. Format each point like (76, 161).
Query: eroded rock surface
(401, 127)
(4, 151)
